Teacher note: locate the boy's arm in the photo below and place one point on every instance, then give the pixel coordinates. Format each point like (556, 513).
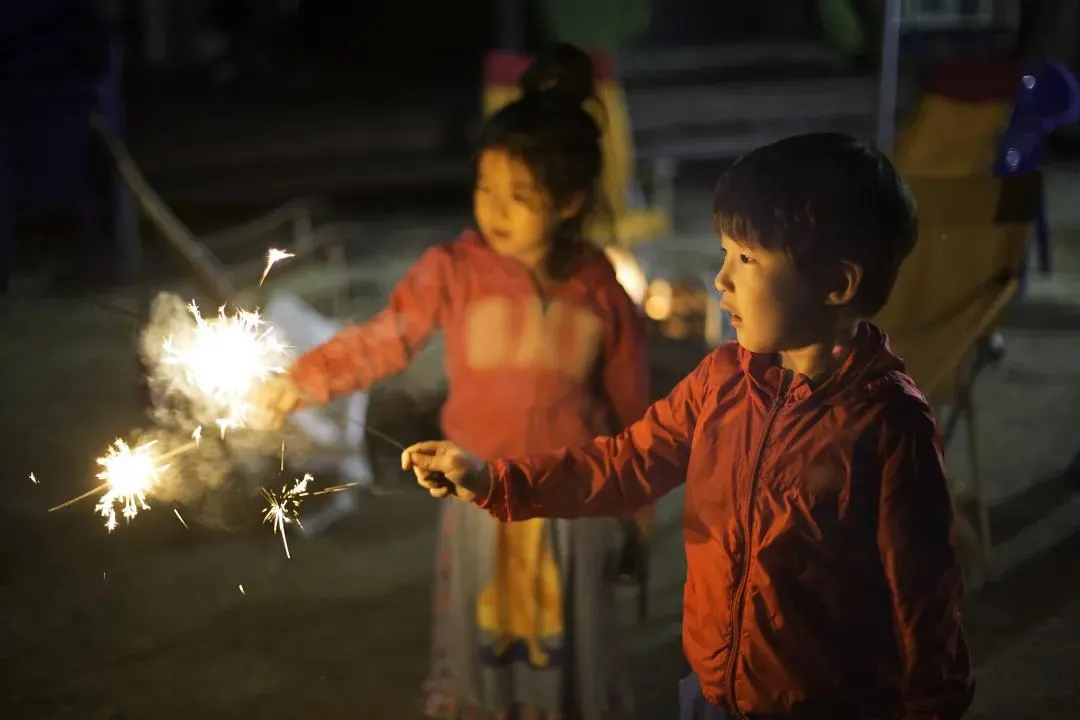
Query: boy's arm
(610, 476)
(363, 354)
(924, 576)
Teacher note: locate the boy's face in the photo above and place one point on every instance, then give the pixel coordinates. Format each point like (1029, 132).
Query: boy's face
(774, 307)
(513, 214)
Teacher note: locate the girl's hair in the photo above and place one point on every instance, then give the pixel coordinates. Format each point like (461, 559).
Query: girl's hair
(549, 129)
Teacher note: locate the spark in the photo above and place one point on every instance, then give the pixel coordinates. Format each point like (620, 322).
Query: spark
(273, 255)
(35, 480)
(283, 507)
(223, 359)
(241, 589)
(196, 434)
(181, 519)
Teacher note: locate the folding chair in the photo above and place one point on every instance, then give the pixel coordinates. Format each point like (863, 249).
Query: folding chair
(967, 265)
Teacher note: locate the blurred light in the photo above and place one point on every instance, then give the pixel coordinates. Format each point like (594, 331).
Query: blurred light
(658, 300)
(628, 272)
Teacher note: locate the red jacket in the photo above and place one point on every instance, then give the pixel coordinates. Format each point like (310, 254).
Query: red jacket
(821, 582)
(528, 372)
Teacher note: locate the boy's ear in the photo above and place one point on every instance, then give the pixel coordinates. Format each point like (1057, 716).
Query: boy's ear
(572, 207)
(845, 284)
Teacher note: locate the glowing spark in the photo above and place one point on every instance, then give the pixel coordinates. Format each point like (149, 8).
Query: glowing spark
(34, 479)
(196, 434)
(283, 508)
(177, 514)
(241, 589)
(129, 474)
(223, 359)
(282, 467)
(272, 256)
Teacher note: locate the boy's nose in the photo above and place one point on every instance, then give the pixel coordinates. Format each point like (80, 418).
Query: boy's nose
(722, 282)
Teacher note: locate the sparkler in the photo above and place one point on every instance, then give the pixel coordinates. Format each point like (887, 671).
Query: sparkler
(223, 359)
(129, 475)
(219, 362)
(283, 507)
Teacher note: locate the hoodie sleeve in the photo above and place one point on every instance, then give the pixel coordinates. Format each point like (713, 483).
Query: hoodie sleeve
(363, 354)
(610, 476)
(626, 359)
(924, 576)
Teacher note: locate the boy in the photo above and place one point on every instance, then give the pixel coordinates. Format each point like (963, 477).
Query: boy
(820, 578)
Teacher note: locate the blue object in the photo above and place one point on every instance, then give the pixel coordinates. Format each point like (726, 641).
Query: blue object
(59, 64)
(1048, 98)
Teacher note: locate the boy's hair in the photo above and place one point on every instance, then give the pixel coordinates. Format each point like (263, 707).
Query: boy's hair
(822, 198)
(549, 129)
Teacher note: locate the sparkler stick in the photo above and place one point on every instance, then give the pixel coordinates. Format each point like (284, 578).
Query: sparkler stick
(88, 493)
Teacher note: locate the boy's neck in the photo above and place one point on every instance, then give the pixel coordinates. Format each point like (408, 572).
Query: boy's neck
(822, 359)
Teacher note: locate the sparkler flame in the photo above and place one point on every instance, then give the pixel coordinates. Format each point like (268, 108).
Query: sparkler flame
(129, 474)
(223, 360)
(283, 507)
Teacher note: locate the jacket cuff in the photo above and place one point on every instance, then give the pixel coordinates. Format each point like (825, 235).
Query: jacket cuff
(494, 500)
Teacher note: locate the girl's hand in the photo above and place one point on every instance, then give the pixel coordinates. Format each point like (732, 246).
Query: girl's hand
(442, 468)
(271, 401)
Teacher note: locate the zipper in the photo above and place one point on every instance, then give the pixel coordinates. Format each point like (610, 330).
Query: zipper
(739, 598)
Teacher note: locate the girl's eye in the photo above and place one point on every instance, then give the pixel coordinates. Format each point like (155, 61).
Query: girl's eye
(519, 198)
(745, 259)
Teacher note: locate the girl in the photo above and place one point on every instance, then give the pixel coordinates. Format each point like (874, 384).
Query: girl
(544, 349)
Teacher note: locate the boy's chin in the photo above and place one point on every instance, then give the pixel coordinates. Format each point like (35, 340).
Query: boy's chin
(755, 345)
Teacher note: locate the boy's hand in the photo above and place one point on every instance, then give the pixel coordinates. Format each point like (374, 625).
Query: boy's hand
(271, 401)
(443, 468)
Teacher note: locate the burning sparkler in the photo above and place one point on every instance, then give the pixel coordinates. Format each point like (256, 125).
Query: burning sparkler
(273, 255)
(283, 507)
(129, 475)
(223, 359)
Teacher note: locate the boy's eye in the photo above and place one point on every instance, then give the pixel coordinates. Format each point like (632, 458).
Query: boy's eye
(745, 259)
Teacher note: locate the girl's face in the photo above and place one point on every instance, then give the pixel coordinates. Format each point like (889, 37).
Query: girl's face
(514, 215)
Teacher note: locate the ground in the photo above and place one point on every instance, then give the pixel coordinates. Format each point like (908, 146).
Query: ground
(158, 620)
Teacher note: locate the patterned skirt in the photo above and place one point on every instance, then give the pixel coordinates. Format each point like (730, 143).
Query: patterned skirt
(524, 620)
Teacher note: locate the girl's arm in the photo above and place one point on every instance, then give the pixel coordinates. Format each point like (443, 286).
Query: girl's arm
(363, 354)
